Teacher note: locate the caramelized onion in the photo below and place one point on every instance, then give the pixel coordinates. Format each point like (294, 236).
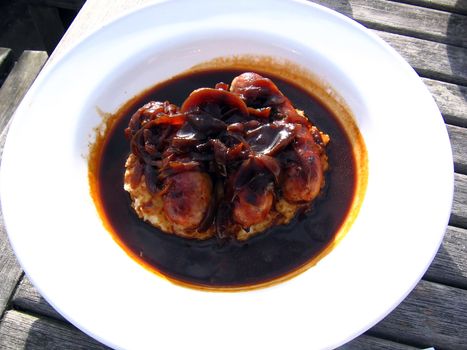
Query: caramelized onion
(215, 102)
(271, 138)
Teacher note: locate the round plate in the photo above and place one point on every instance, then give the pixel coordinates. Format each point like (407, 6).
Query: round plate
(65, 250)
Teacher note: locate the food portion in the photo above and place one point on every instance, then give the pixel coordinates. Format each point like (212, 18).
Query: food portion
(231, 161)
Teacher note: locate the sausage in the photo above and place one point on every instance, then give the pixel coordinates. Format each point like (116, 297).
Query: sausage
(258, 91)
(303, 180)
(251, 208)
(301, 184)
(187, 198)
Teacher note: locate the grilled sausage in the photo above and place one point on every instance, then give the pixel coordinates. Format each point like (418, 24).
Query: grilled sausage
(187, 198)
(251, 208)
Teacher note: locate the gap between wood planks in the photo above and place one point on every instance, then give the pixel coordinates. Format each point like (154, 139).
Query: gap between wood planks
(454, 6)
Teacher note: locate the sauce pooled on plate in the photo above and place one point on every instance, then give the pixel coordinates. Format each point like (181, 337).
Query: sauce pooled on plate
(226, 258)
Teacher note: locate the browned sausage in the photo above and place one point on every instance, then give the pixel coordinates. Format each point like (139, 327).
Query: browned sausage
(258, 91)
(251, 208)
(187, 198)
(303, 185)
(304, 180)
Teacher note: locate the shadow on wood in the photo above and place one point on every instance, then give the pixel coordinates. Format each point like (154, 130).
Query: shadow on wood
(458, 24)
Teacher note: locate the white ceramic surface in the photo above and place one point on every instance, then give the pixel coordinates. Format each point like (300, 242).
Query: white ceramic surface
(60, 241)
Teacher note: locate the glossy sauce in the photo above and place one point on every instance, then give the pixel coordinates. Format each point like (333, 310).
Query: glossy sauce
(213, 263)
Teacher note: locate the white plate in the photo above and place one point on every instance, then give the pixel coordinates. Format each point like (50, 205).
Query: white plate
(78, 268)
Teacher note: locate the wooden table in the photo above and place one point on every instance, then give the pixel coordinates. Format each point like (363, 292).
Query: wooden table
(432, 36)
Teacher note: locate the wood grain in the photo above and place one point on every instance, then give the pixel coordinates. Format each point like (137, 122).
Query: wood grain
(450, 264)
(455, 6)
(451, 100)
(415, 21)
(11, 93)
(27, 298)
(430, 59)
(10, 271)
(432, 315)
(22, 331)
(372, 343)
(18, 82)
(459, 204)
(458, 137)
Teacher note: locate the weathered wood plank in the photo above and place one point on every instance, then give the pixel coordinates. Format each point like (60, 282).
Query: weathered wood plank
(400, 18)
(368, 342)
(455, 6)
(459, 203)
(28, 299)
(10, 271)
(11, 93)
(22, 331)
(451, 100)
(450, 264)
(18, 82)
(431, 60)
(458, 137)
(432, 315)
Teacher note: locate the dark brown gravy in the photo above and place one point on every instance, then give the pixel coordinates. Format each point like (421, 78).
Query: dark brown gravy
(267, 257)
